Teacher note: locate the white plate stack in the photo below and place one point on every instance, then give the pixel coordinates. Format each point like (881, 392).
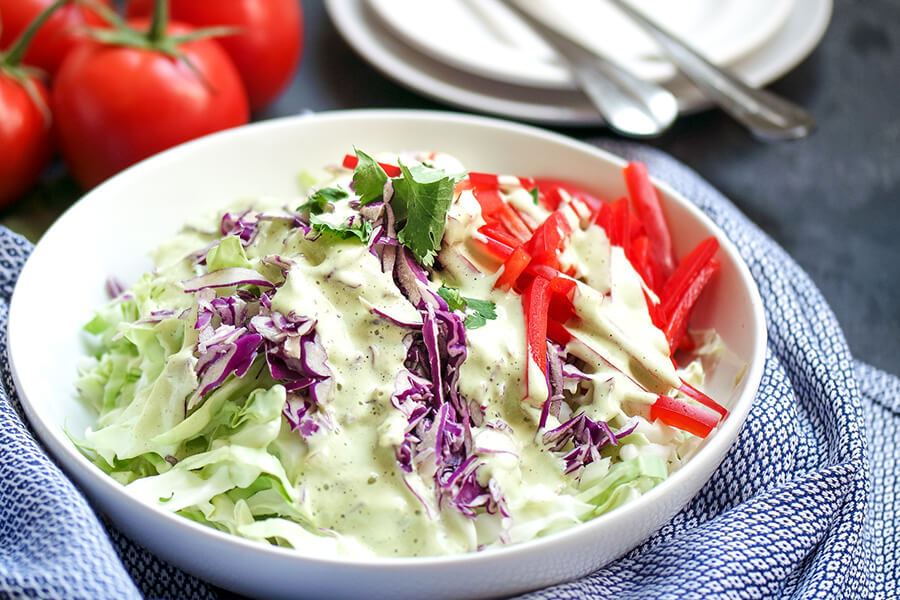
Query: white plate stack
(477, 55)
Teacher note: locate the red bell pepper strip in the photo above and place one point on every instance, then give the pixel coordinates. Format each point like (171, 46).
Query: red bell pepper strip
(687, 343)
(490, 180)
(462, 185)
(536, 304)
(684, 416)
(563, 286)
(549, 237)
(646, 204)
(513, 222)
(561, 309)
(620, 225)
(689, 390)
(549, 188)
(494, 210)
(603, 218)
(493, 247)
(656, 316)
(551, 197)
(484, 180)
(562, 289)
(640, 260)
(490, 201)
(558, 333)
(497, 232)
(527, 182)
(688, 270)
(351, 161)
(541, 270)
(562, 305)
(512, 268)
(635, 227)
(679, 313)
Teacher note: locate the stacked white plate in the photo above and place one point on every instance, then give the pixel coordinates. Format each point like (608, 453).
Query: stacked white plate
(477, 55)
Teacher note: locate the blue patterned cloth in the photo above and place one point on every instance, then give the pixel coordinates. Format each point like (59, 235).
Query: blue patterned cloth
(805, 505)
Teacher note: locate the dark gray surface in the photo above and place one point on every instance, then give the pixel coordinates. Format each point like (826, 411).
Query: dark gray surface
(831, 200)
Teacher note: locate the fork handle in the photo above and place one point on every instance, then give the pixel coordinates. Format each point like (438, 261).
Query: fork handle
(767, 116)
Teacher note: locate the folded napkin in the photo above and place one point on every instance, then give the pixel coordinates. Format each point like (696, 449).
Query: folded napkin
(805, 504)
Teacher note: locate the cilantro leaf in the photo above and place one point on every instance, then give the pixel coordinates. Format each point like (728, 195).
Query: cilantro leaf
(474, 321)
(358, 227)
(535, 195)
(368, 178)
(422, 197)
(319, 199)
(477, 311)
(451, 297)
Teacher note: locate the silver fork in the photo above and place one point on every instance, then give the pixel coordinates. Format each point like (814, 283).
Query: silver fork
(767, 116)
(630, 105)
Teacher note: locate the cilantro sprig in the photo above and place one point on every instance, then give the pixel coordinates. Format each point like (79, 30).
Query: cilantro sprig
(478, 312)
(422, 197)
(359, 228)
(318, 205)
(368, 178)
(319, 200)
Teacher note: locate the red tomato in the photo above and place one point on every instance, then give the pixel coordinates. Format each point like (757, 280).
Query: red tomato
(25, 138)
(57, 36)
(267, 49)
(115, 105)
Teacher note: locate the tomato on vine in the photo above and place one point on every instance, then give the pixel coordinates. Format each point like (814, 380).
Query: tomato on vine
(267, 44)
(139, 88)
(60, 33)
(25, 122)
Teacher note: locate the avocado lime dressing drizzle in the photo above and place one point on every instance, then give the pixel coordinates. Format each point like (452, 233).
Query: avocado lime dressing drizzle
(290, 373)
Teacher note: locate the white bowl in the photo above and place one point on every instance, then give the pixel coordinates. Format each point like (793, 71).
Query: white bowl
(113, 228)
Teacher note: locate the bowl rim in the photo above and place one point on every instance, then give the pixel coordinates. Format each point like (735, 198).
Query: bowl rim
(79, 468)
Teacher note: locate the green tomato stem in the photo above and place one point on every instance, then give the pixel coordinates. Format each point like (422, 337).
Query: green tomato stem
(160, 22)
(15, 54)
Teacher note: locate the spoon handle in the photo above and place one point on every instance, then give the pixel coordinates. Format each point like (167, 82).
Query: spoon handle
(767, 116)
(630, 105)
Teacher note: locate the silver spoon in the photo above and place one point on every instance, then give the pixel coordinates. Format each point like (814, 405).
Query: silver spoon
(630, 105)
(767, 116)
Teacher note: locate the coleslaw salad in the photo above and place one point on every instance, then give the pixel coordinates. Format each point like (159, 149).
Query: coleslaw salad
(412, 359)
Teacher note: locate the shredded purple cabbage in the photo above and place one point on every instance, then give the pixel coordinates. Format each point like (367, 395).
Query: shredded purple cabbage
(587, 437)
(234, 330)
(438, 439)
(241, 225)
(563, 380)
(228, 277)
(114, 287)
(237, 329)
(395, 320)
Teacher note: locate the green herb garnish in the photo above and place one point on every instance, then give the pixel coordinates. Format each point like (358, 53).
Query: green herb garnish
(368, 178)
(422, 197)
(477, 311)
(358, 227)
(319, 199)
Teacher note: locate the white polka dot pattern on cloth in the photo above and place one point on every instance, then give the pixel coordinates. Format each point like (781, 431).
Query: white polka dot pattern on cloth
(804, 505)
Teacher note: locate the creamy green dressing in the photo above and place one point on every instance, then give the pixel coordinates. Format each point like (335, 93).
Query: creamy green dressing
(340, 490)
